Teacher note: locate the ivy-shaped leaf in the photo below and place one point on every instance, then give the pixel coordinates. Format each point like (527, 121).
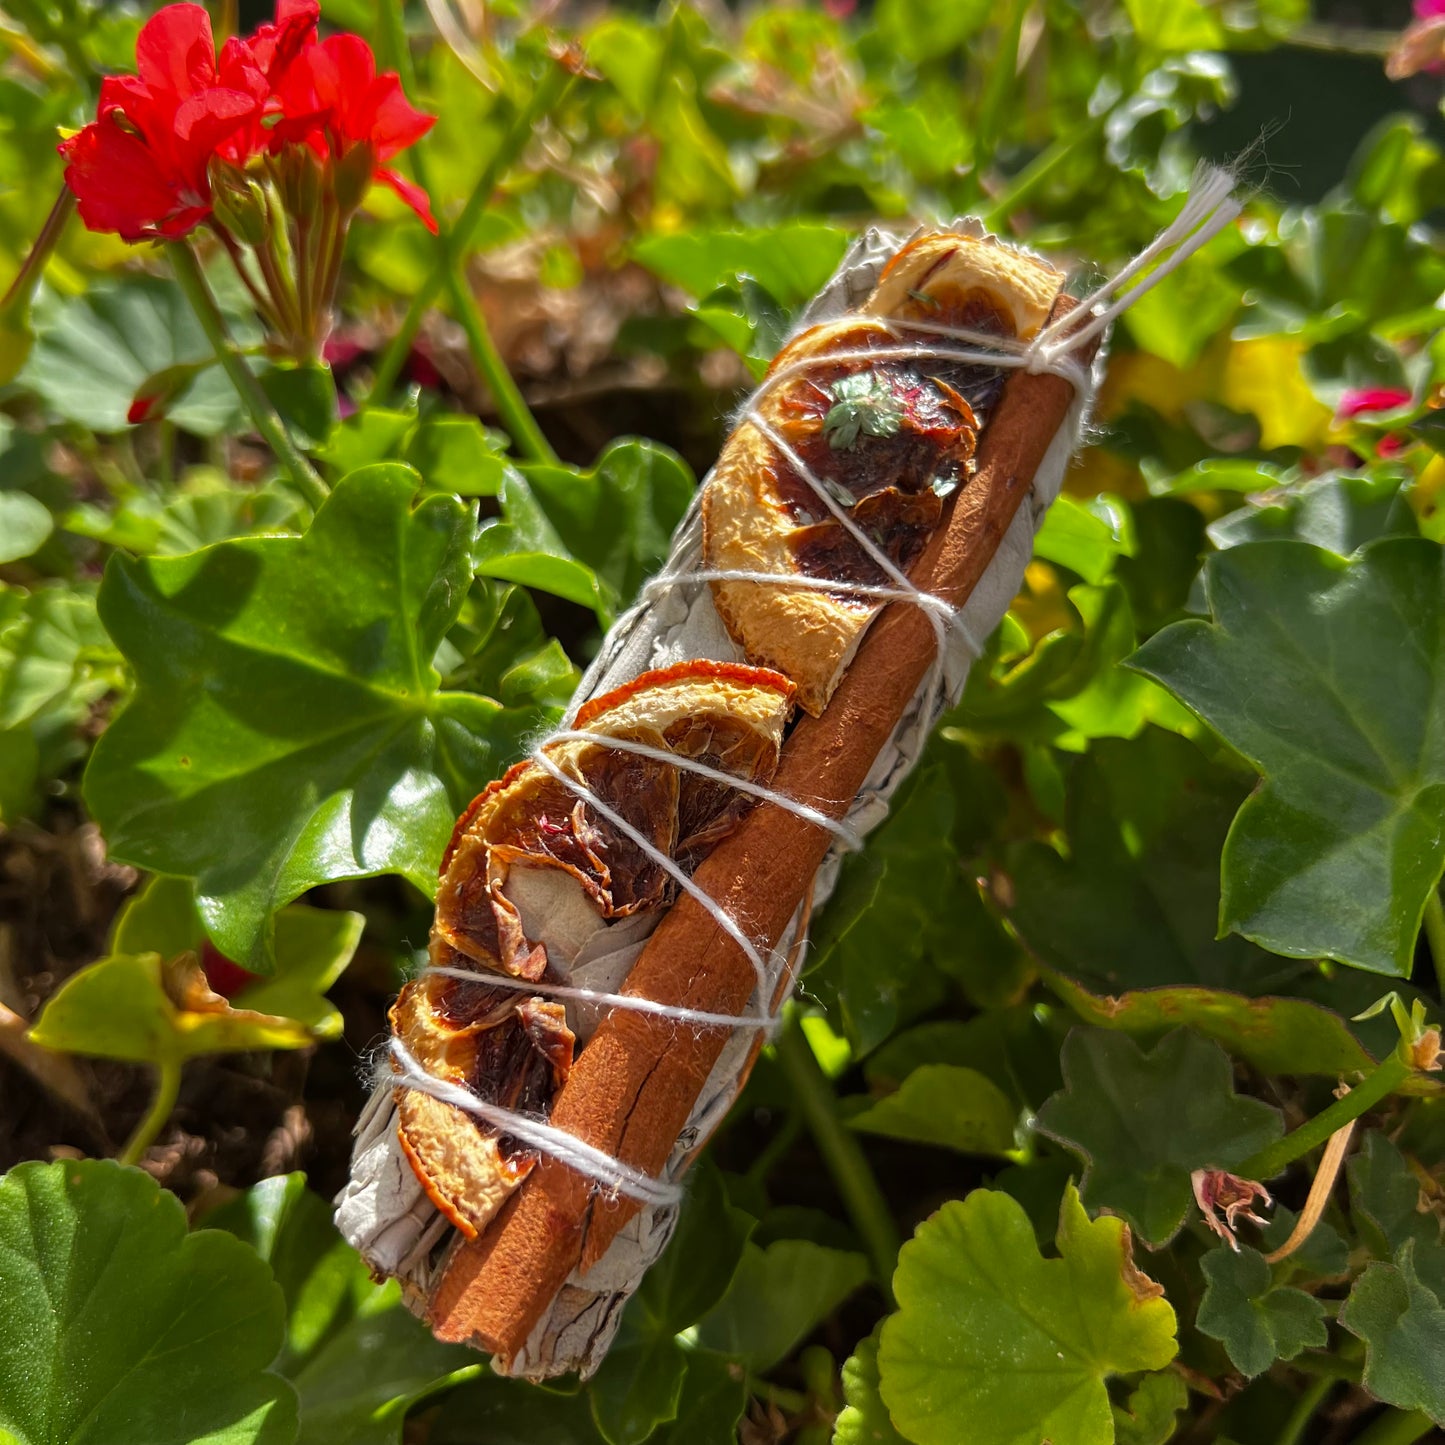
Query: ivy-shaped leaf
(641, 1384)
(1257, 1321)
(1142, 1122)
(1134, 903)
(776, 1297)
(287, 729)
(1336, 854)
(994, 1345)
(1151, 1412)
(119, 1328)
(1386, 1201)
(1402, 1322)
(591, 537)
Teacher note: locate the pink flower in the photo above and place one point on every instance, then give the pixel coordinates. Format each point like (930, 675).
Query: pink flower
(1371, 398)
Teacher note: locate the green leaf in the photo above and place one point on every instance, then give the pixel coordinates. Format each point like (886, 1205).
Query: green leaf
(1402, 1324)
(1258, 1322)
(512, 1412)
(1143, 1122)
(638, 1388)
(942, 1104)
(791, 261)
(699, 1263)
(361, 1383)
(1336, 854)
(305, 396)
(714, 1394)
(1273, 1035)
(54, 654)
(1151, 1412)
(1135, 902)
(287, 729)
(457, 454)
(1085, 538)
(928, 29)
(25, 523)
(1338, 511)
(372, 435)
(321, 1277)
(864, 1420)
(119, 1328)
(994, 1345)
(358, 1358)
(1386, 1203)
(93, 353)
(778, 1295)
(313, 947)
(902, 915)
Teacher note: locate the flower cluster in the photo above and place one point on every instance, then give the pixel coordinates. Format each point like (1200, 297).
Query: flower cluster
(145, 166)
(271, 145)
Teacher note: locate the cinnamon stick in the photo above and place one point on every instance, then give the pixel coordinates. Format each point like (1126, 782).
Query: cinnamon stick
(632, 1088)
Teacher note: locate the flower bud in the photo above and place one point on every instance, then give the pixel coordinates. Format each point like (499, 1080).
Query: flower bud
(353, 177)
(239, 204)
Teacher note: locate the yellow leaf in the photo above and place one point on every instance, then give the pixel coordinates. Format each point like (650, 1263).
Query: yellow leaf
(1263, 377)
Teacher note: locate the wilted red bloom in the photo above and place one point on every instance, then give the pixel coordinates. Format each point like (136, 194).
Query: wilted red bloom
(1371, 398)
(140, 167)
(332, 97)
(1223, 1198)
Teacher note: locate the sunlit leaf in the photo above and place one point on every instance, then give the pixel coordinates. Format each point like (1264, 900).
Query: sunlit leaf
(995, 1345)
(287, 729)
(119, 1328)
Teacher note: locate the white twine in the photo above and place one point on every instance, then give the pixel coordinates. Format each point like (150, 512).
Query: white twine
(699, 1018)
(1209, 208)
(845, 835)
(614, 1176)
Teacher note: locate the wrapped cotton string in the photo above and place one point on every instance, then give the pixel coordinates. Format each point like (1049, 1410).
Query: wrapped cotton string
(612, 1174)
(668, 866)
(845, 835)
(1208, 210)
(575, 993)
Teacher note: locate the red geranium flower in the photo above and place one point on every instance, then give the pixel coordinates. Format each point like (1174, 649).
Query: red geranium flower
(140, 168)
(263, 58)
(332, 97)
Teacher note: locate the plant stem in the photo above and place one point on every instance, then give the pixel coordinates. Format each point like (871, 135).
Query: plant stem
(813, 1095)
(273, 430)
(1036, 175)
(1435, 933)
(1304, 1410)
(1000, 83)
(1397, 1427)
(168, 1085)
(512, 409)
(1379, 1084)
(454, 242)
(22, 288)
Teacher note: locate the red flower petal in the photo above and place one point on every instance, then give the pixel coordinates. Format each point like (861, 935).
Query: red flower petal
(175, 52)
(396, 122)
(120, 187)
(412, 194)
